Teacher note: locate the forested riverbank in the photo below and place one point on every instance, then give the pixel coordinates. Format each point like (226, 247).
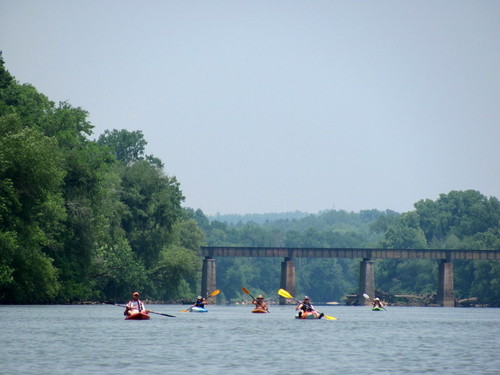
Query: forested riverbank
(92, 220)
(83, 219)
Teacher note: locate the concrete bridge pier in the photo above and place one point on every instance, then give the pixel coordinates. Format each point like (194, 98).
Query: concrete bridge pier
(208, 283)
(287, 278)
(366, 281)
(445, 294)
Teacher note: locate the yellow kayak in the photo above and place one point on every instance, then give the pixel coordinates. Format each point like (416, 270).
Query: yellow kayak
(259, 311)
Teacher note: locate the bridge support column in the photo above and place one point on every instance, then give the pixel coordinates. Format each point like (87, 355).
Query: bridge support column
(445, 295)
(208, 284)
(287, 278)
(366, 281)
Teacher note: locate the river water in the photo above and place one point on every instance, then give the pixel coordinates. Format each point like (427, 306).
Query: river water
(95, 339)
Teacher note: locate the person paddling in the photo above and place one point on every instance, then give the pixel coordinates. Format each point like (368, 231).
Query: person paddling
(135, 305)
(260, 303)
(376, 303)
(200, 302)
(305, 308)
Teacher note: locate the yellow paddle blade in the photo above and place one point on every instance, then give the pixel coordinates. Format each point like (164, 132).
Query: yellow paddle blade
(214, 293)
(245, 290)
(329, 317)
(284, 293)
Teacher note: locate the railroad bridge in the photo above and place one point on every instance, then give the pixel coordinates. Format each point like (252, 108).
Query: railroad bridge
(445, 296)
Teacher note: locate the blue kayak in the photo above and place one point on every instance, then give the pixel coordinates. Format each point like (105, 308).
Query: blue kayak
(198, 309)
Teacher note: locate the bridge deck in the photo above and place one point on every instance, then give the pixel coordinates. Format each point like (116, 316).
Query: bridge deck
(287, 252)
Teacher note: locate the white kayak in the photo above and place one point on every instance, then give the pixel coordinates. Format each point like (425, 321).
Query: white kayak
(309, 315)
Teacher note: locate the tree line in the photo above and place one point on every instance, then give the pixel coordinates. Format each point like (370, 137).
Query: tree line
(84, 219)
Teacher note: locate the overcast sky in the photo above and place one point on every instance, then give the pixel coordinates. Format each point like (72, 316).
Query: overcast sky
(275, 106)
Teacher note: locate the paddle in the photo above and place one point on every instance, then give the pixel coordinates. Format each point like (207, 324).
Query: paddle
(368, 297)
(151, 312)
(285, 294)
(214, 293)
(246, 291)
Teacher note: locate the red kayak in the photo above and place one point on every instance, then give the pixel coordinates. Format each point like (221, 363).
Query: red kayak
(138, 316)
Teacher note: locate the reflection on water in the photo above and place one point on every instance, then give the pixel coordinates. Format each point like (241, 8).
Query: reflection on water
(230, 340)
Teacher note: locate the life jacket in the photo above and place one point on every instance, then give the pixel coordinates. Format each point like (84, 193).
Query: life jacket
(305, 307)
(136, 305)
(199, 304)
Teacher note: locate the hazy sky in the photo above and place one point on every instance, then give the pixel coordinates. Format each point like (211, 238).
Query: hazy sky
(274, 106)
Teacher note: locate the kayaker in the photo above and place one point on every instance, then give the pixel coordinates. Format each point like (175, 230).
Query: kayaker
(306, 307)
(200, 302)
(377, 303)
(135, 305)
(260, 303)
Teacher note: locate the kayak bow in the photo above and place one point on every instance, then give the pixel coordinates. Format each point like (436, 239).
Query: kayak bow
(308, 315)
(259, 311)
(198, 309)
(138, 316)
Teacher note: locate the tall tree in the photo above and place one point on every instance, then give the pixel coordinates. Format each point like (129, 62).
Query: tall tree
(31, 211)
(153, 205)
(128, 146)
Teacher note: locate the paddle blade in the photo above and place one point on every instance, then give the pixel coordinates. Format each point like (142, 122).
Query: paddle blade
(329, 317)
(284, 293)
(245, 290)
(366, 296)
(214, 293)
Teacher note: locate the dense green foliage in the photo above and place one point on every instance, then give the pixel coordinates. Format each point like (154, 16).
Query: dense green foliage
(81, 219)
(457, 220)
